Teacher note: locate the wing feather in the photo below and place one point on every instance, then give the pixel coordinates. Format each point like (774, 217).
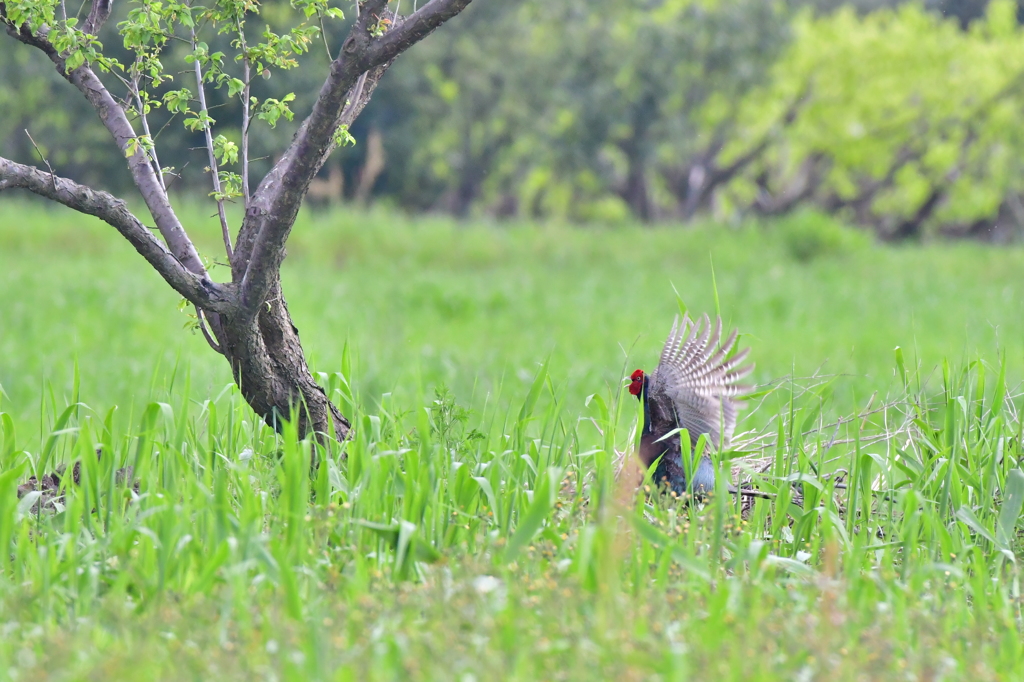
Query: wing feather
(700, 379)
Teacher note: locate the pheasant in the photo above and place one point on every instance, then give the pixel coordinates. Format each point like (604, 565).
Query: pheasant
(695, 387)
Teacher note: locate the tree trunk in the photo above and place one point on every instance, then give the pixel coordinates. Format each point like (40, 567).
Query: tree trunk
(695, 193)
(636, 192)
(637, 148)
(269, 367)
(912, 227)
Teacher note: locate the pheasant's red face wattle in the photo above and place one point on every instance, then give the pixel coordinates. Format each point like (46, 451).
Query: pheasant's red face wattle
(636, 382)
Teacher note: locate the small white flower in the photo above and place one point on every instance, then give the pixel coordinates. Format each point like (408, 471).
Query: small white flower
(485, 584)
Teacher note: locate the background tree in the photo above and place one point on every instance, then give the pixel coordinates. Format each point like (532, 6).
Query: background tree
(905, 121)
(891, 115)
(578, 111)
(246, 319)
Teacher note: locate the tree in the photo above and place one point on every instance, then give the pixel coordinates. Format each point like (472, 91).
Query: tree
(586, 111)
(245, 319)
(478, 95)
(906, 121)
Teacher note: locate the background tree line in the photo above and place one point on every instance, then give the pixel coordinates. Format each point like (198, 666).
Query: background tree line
(899, 117)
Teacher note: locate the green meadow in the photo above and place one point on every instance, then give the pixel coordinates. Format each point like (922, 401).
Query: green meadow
(478, 525)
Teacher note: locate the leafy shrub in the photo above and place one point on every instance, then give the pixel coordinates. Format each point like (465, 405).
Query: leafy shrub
(809, 234)
(606, 210)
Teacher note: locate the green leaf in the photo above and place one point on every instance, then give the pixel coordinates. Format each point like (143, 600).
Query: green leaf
(488, 491)
(967, 515)
(1013, 498)
(60, 428)
(526, 411)
(536, 514)
(789, 565)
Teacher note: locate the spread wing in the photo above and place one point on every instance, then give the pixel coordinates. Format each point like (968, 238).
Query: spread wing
(700, 380)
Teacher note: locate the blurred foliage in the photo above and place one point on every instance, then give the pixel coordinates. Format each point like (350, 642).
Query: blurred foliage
(809, 234)
(898, 117)
(35, 98)
(588, 112)
(906, 121)
(65, 134)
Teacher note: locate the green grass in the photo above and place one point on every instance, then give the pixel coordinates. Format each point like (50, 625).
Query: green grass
(425, 302)
(475, 528)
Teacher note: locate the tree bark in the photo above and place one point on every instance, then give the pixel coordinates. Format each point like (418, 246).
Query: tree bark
(269, 366)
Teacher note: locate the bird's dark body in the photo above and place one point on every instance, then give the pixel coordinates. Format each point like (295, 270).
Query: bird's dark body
(659, 419)
(695, 387)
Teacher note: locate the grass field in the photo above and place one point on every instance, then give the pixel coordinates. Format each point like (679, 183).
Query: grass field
(475, 528)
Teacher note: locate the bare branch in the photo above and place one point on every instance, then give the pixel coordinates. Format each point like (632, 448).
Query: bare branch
(323, 34)
(911, 226)
(246, 113)
(361, 62)
(869, 188)
(355, 99)
(197, 289)
(201, 316)
(120, 128)
(53, 177)
(807, 179)
(415, 28)
(134, 87)
(98, 13)
(701, 185)
(214, 174)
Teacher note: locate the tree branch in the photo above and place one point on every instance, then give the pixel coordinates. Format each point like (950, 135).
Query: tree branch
(806, 182)
(694, 188)
(42, 158)
(415, 28)
(259, 248)
(911, 226)
(201, 316)
(111, 210)
(869, 189)
(214, 173)
(134, 87)
(246, 116)
(98, 13)
(117, 124)
(723, 175)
